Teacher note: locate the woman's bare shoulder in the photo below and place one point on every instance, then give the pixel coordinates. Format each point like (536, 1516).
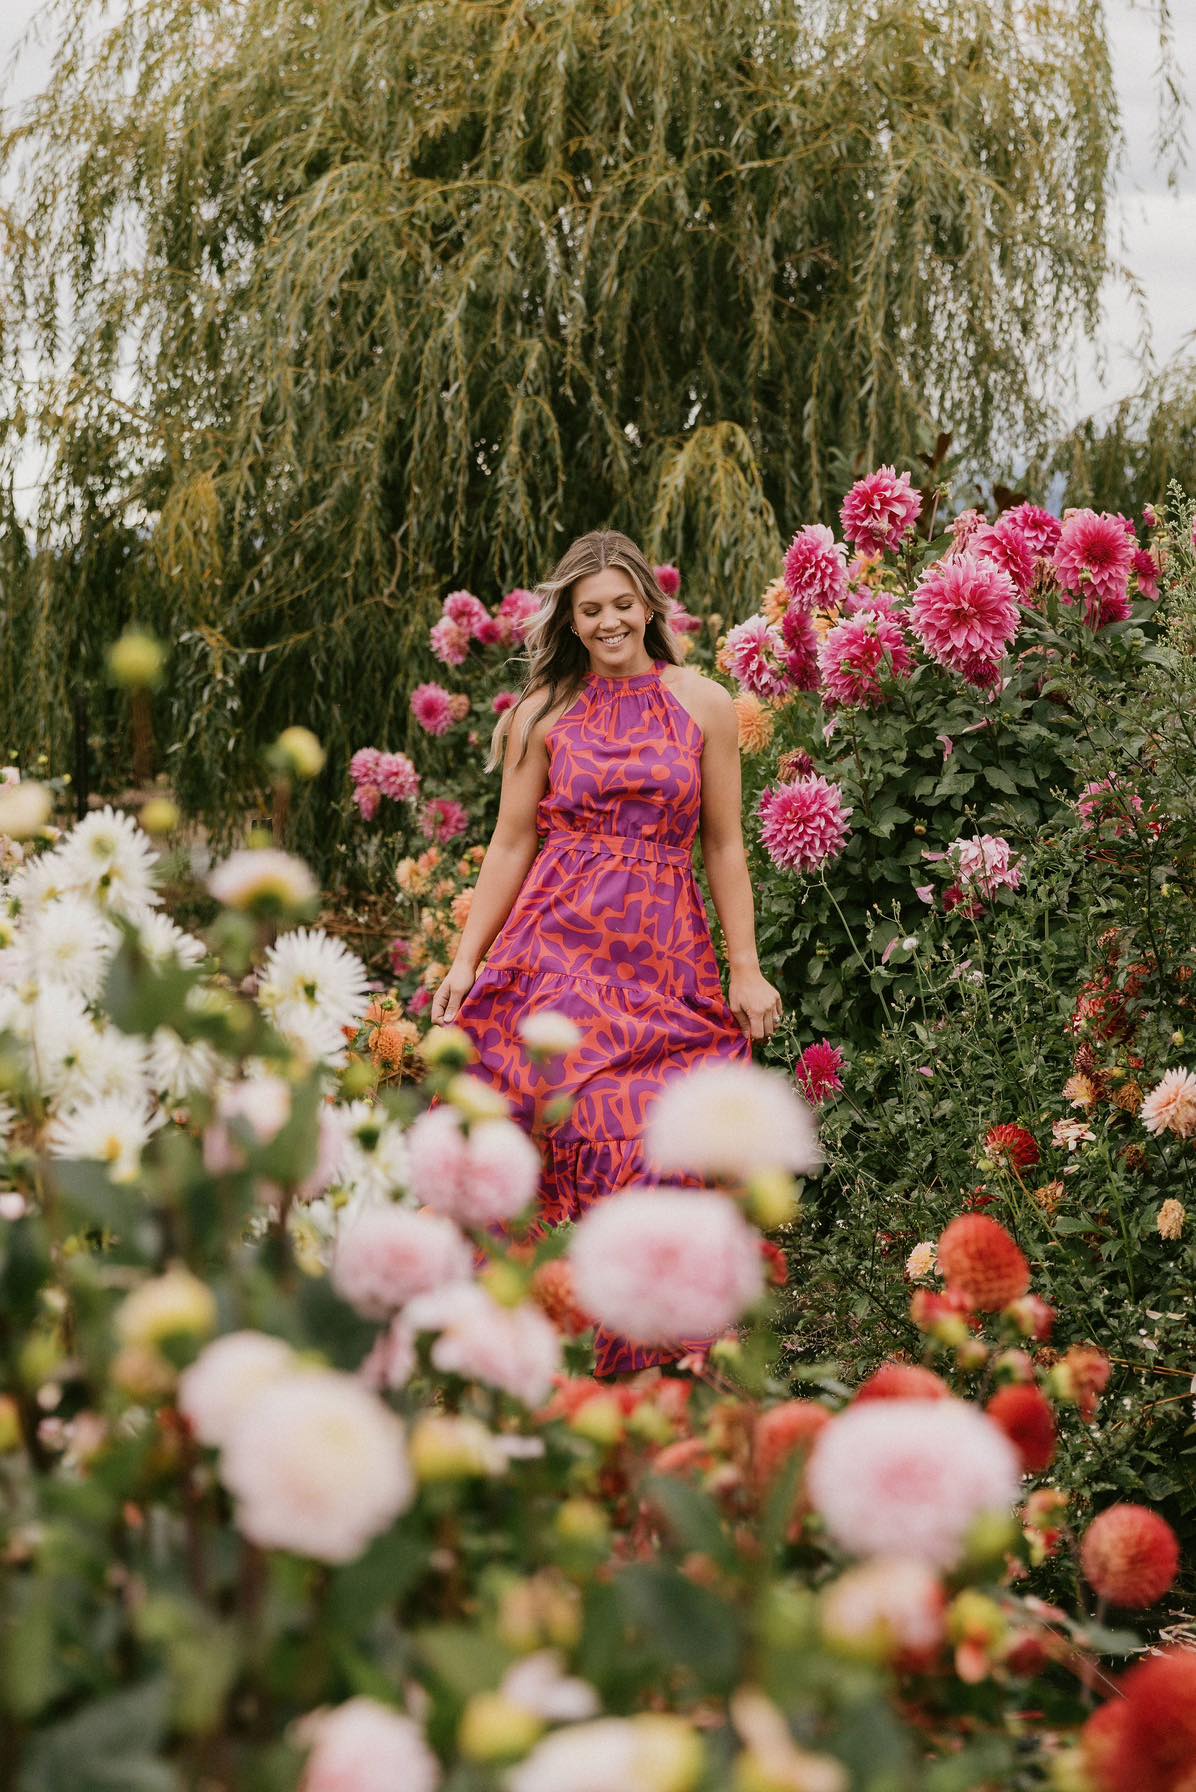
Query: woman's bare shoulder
(705, 699)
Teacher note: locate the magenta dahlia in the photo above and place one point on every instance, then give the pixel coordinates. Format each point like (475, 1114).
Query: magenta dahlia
(449, 641)
(1146, 571)
(443, 819)
(1092, 560)
(398, 778)
(367, 797)
(803, 824)
(1037, 527)
(801, 649)
(682, 621)
(668, 578)
(363, 767)
(878, 510)
(754, 655)
(503, 701)
(815, 569)
(1003, 544)
(965, 614)
(860, 655)
(432, 707)
(817, 1071)
(466, 610)
(518, 607)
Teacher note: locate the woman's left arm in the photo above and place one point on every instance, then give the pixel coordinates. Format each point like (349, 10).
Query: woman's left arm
(754, 1002)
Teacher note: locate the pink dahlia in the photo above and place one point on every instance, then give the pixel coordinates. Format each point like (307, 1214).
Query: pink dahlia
(965, 614)
(878, 510)
(366, 1746)
(363, 767)
(516, 609)
(985, 864)
(1003, 544)
(963, 528)
(400, 955)
(449, 641)
(801, 649)
(1037, 527)
(803, 824)
(503, 701)
(466, 610)
(477, 1179)
(668, 578)
(752, 654)
(860, 655)
(1146, 571)
(432, 707)
(817, 1071)
(367, 798)
(663, 1265)
(516, 1349)
(386, 1254)
(681, 621)
(1092, 560)
(443, 819)
(1102, 805)
(911, 1477)
(397, 778)
(816, 569)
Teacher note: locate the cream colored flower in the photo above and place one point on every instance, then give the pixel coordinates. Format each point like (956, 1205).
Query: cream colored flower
(1171, 1105)
(1171, 1219)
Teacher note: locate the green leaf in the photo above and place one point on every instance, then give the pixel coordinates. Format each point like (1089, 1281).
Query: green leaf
(108, 1746)
(694, 1517)
(684, 1624)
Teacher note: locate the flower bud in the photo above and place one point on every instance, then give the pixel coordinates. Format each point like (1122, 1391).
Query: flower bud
(477, 1100)
(452, 1447)
(599, 1419)
(581, 1521)
(10, 1425)
(159, 815)
(506, 1283)
(668, 1755)
(772, 1199)
(136, 662)
(173, 1305)
(447, 1048)
(24, 809)
(989, 1540)
(494, 1728)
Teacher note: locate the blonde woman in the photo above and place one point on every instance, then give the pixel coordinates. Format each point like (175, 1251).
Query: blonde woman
(586, 904)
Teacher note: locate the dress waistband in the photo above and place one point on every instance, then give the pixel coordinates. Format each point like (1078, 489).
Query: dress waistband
(631, 846)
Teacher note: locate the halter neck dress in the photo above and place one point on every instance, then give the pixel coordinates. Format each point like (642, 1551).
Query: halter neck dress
(611, 929)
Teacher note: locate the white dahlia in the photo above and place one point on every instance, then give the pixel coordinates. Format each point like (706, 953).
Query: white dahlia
(376, 1161)
(109, 857)
(162, 939)
(67, 942)
(311, 987)
(261, 877)
(730, 1120)
(39, 880)
(179, 1068)
(107, 1130)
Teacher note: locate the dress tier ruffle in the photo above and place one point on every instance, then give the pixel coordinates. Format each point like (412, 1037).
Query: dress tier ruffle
(610, 929)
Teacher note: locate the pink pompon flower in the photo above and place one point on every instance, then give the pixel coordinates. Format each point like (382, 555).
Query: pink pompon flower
(385, 1255)
(860, 656)
(1003, 544)
(681, 621)
(397, 778)
(432, 707)
(663, 1265)
(911, 1477)
(1146, 571)
(399, 952)
(503, 701)
(817, 1071)
(878, 510)
(515, 1349)
(815, 569)
(803, 824)
(1092, 560)
(801, 649)
(492, 631)
(517, 609)
(466, 610)
(419, 1001)
(965, 614)
(365, 1746)
(367, 798)
(668, 578)
(443, 819)
(984, 864)
(477, 1179)
(1037, 527)
(449, 641)
(754, 654)
(363, 767)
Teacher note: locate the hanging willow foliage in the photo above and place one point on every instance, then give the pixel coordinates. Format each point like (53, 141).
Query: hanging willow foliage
(356, 301)
(1127, 455)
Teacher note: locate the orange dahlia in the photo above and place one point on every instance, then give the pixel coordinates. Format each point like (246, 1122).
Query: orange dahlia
(1130, 1556)
(1027, 1418)
(979, 1260)
(783, 1431)
(903, 1381)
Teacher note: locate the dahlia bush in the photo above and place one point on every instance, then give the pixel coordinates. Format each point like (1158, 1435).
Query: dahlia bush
(309, 1479)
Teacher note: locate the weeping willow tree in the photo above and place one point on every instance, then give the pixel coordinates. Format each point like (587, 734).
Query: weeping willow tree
(346, 302)
(1127, 455)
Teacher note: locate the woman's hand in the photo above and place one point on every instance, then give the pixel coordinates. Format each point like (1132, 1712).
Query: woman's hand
(452, 992)
(755, 1004)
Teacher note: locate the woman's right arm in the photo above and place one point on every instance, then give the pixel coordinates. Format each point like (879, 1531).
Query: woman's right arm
(513, 846)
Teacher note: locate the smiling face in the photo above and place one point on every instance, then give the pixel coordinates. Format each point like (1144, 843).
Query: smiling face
(611, 619)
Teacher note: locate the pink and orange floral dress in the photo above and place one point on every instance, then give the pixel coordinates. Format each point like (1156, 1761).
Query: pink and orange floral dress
(609, 928)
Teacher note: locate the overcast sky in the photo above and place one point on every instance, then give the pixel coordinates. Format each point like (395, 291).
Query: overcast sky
(1154, 225)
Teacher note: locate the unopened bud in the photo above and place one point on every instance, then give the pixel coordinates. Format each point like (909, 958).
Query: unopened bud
(136, 662)
(159, 815)
(298, 751)
(494, 1728)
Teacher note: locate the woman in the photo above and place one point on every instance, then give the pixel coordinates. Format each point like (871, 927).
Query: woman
(617, 754)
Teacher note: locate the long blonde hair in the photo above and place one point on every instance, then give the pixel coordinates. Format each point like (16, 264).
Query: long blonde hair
(555, 660)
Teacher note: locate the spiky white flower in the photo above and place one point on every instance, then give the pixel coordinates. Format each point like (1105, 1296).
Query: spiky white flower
(62, 1039)
(161, 939)
(377, 1160)
(67, 942)
(107, 1130)
(108, 856)
(178, 1068)
(310, 988)
(263, 875)
(39, 880)
(118, 1068)
(8, 1115)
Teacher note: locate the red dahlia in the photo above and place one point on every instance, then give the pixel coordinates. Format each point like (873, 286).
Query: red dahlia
(1012, 1145)
(1027, 1418)
(783, 1430)
(1145, 1741)
(1130, 1556)
(979, 1260)
(903, 1381)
